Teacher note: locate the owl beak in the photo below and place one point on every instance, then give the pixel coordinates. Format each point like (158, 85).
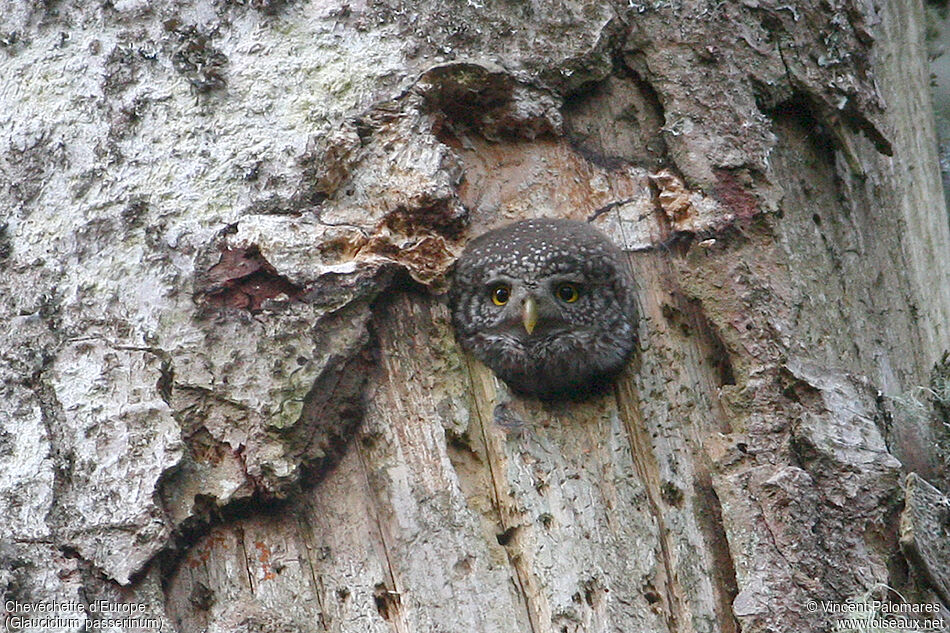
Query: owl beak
(530, 314)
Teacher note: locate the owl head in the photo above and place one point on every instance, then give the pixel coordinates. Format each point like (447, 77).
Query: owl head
(547, 304)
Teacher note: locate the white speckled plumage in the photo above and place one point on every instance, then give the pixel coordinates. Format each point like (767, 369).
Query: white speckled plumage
(577, 347)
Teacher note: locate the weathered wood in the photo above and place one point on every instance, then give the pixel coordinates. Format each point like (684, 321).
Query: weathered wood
(230, 388)
(924, 525)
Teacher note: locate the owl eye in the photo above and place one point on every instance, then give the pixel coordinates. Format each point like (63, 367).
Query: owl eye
(568, 293)
(500, 295)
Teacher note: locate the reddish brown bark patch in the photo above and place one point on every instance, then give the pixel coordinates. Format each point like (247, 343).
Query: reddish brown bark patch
(242, 278)
(429, 215)
(734, 195)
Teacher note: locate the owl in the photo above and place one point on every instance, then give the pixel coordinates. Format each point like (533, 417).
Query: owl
(548, 305)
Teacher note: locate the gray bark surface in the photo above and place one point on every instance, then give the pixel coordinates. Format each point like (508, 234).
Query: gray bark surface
(230, 390)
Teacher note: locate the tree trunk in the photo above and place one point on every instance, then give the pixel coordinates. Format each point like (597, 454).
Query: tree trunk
(232, 400)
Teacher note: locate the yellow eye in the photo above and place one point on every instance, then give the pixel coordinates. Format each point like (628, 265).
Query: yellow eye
(500, 295)
(568, 293)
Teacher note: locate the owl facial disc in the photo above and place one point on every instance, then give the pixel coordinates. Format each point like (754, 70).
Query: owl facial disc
(548, 305)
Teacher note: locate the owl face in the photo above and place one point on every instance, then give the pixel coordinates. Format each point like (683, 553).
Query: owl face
(548, 305)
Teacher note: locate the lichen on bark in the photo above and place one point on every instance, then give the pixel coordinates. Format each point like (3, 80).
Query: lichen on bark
(229, 225)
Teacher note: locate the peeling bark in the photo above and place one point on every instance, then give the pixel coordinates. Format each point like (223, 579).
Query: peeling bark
(230, 389)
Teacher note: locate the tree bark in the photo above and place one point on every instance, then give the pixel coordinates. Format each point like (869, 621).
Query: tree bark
(232, 400)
